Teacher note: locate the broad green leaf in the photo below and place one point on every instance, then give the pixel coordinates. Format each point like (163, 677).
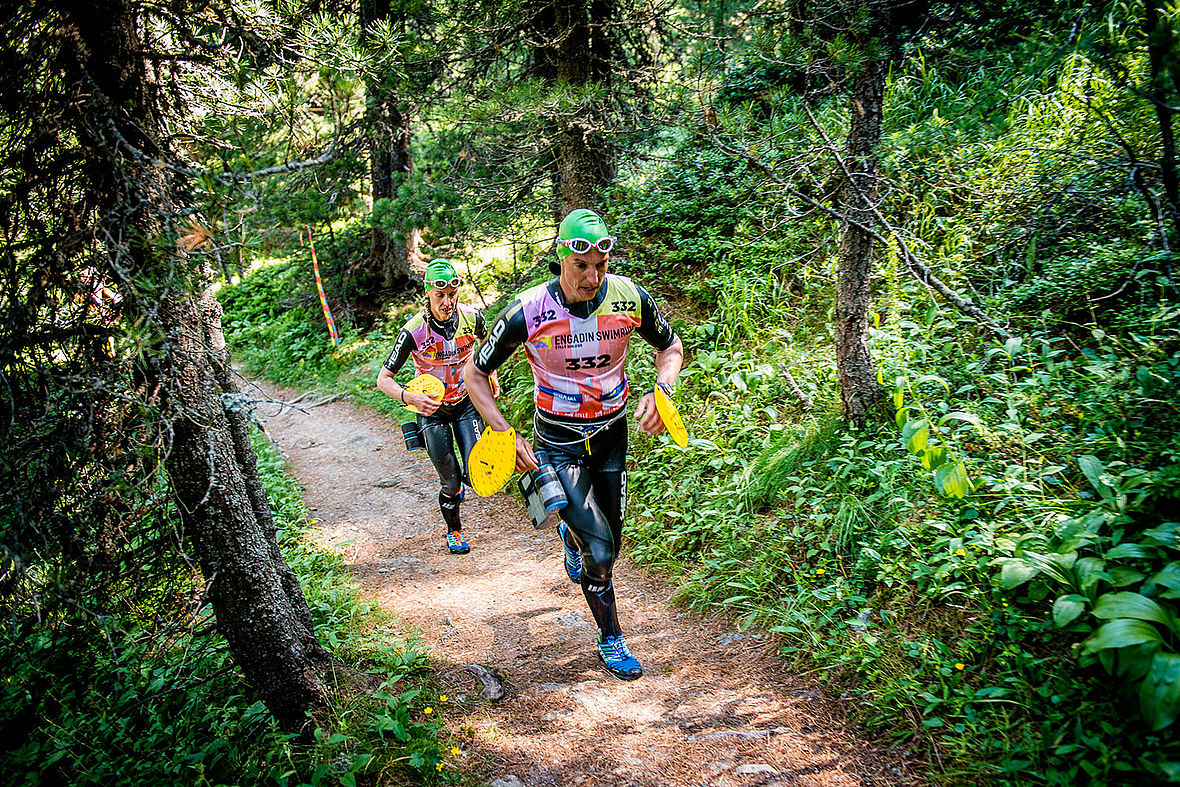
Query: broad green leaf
(1132, 605)
(1067, 608)
(898, 398)
(1121, 576)
(903, 415)
(1012, 346)
(1132, 550)
(1159, 694)
(1120, 633)
(1134, 662)
(1167, 534)
(931, 378)
(915, 433)
(951, 480)
(1090, 571)
(1093, 469)
(959, 415)
(934, 457)
(1016, 572)
(1057, 565)
(1169, 577)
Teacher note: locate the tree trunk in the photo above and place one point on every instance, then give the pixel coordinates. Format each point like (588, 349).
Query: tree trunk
(259, 605)
(858, 196)
(575, 50)
(390, 162)
(222, 507)
(1159, 46)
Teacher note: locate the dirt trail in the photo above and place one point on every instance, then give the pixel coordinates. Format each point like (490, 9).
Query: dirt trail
(714, 707)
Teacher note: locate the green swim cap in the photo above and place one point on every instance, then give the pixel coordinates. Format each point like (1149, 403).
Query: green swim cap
(580, 223)
(439, 271)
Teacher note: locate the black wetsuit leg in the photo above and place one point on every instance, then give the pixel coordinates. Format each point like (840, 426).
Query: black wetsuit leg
(451, 423)
(595, 483)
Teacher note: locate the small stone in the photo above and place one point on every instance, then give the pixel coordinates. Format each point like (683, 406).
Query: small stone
(559, 687)
(507, 781)
(749, 770)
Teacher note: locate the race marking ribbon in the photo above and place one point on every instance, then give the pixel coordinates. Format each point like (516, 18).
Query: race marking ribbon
(427, 384)
(492, 461)
(319, 285)
(671, 417)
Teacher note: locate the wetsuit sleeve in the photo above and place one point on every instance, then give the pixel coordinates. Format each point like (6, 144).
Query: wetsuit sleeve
(401, 351)
(508, 332)
(653, 327)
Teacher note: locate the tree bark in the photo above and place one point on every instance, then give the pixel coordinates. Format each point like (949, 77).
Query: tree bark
(390, 162)
(220, 502)
(859, 391)
(575, 50)
(1159, 49)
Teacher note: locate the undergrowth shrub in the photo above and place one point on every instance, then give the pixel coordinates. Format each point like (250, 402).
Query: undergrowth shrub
(153, 696)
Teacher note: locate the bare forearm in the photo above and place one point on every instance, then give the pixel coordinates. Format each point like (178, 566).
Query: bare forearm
(479, 388)
(388, 386)
(669, 362)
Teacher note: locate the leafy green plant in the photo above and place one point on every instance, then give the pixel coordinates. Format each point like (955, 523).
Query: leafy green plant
(1138, 638)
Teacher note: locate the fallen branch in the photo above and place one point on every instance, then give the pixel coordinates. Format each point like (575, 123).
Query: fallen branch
(328, 399)
(795, 389)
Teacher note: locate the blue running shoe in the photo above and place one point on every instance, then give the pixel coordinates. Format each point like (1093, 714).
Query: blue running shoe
(613, 652)
(456, 543)
(573, 558)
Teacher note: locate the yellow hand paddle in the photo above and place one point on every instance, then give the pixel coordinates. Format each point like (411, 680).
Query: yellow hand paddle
(671, 418)
(427, 384)
(492, 461)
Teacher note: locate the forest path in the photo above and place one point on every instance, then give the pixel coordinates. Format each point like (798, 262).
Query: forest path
(714, 707)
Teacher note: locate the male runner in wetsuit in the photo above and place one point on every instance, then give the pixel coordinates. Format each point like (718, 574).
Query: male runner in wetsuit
(441, 338)
(576, 329)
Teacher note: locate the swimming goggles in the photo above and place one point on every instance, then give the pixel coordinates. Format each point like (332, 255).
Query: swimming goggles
(581, 245)
(442, 284)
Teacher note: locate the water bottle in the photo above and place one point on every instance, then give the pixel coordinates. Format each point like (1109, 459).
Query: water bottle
(548, 485)
(412, 435)
(542, 491)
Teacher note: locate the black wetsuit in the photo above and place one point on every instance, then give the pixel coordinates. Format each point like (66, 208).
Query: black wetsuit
(589, 455)
(453, 422)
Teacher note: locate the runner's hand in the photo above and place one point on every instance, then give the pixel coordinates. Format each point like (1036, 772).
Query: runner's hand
(648, 416)
(423, 402)
(525, 458)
